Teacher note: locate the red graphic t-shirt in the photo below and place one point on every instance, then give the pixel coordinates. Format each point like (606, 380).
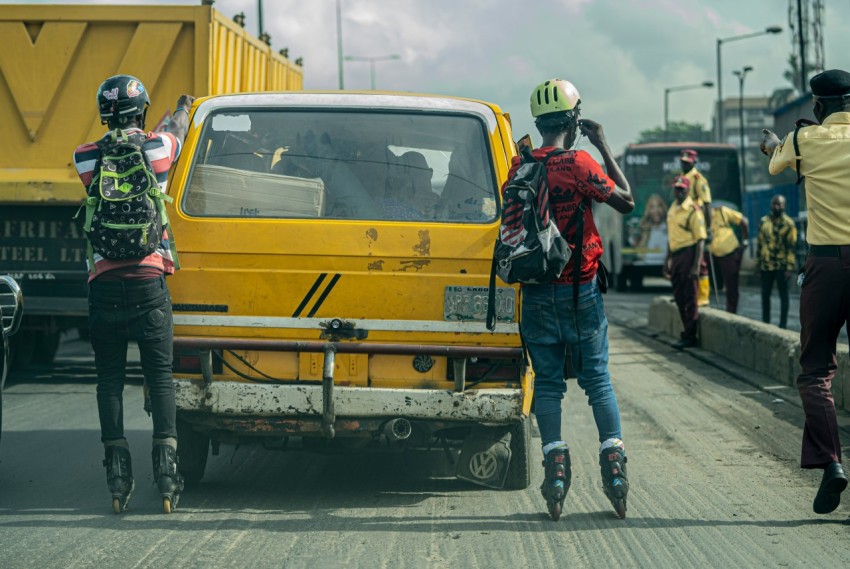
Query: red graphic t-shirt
(573, 176)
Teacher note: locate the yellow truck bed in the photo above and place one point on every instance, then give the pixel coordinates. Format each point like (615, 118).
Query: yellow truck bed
(52, 59)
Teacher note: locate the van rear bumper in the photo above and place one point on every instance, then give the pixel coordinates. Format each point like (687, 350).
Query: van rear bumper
(236, 399)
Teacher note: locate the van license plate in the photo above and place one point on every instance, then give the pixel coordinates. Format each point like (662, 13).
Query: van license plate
(469, 303)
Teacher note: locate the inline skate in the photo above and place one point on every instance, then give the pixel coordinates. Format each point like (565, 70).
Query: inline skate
(615, 483)
(119, 476)
(556, 482)
(165, 474)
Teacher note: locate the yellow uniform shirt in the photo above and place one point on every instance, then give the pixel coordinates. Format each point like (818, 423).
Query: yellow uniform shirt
(724, 241)
(825, 151)
(700, 190)
(685, 225)
(777, 243)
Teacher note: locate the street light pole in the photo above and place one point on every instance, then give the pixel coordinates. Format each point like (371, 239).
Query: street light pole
(372, 60)
(339, 43)
(741, 75)
(667, 91)
(720, 42)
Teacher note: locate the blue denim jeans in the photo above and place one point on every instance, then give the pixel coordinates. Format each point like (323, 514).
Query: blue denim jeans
(121, 311)
(550, 327)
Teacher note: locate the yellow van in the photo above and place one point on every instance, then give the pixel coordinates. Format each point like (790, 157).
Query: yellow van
(335, 253)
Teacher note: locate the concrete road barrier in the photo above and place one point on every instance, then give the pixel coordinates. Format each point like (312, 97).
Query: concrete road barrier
(762, 347)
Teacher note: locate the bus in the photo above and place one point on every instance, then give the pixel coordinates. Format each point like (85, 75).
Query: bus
(636, 244)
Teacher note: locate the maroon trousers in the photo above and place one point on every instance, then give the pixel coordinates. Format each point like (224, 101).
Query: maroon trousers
(730, 268)
(685, 290)
(824, 309)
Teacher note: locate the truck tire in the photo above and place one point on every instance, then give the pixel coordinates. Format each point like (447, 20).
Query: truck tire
(637, 281)
(46, 346)
(519, 470)
(21, 349)
(192, 451)
(622, 281)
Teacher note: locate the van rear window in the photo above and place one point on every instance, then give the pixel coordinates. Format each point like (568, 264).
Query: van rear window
(367, 165)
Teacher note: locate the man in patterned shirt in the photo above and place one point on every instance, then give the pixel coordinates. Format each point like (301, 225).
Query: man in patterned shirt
(554, 320)
(777, 242)
(129, 300)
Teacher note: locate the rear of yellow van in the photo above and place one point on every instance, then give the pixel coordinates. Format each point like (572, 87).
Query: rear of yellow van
(335, 251)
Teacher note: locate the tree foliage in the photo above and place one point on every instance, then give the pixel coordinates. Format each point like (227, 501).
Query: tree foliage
(678, 131)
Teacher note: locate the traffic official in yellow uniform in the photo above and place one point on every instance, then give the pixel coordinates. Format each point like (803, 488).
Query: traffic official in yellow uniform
(824, 159)
(700, 193)
(686, 236)
(727, 250)
(777, 257)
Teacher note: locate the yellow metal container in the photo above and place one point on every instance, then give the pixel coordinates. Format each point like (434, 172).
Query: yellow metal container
(52, 59)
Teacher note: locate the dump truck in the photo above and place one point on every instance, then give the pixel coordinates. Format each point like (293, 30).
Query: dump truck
(52, 59)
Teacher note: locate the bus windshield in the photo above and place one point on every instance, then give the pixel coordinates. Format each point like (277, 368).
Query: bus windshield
(650, 170)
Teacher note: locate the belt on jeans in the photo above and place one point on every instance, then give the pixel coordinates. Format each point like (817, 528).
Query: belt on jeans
(827, 250)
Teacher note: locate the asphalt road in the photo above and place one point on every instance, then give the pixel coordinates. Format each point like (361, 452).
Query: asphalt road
(713, 463)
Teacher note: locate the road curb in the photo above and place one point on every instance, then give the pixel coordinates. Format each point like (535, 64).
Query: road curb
(754, 346)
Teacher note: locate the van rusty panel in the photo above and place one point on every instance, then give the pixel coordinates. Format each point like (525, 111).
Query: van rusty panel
(252, 399)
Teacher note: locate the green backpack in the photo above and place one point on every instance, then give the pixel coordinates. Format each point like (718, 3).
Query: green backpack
(125, 208)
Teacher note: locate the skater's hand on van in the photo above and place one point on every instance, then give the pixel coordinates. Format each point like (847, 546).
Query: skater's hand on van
(769, 142)
(593, 131)
(185, 101)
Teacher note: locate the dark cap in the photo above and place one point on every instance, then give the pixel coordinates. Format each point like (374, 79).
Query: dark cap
(688, 156)
(830, 83)
(682, 182)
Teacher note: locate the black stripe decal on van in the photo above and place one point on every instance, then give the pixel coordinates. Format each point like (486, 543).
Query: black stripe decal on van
(325, 294)
(309, 295)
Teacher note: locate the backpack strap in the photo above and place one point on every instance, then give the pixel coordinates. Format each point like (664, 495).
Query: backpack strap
(797, 126)
(578, 218)
(491, 293)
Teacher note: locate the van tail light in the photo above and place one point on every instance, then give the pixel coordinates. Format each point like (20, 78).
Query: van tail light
(189, 361)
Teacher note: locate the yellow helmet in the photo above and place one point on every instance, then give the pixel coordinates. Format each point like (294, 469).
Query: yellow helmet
(555, 95)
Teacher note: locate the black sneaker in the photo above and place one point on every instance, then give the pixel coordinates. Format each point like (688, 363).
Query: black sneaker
(832, 484)
(685, 343)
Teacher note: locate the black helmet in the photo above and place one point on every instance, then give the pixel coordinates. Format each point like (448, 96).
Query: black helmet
(122, 97)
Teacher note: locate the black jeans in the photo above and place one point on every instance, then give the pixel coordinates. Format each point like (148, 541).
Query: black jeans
(120, 311)
(767, 279)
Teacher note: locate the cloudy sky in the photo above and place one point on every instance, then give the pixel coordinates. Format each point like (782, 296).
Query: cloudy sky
(621, 54)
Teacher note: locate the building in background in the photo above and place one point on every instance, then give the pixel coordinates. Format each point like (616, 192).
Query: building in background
(758, 115)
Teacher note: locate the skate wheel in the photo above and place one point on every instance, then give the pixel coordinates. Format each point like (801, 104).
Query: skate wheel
(116, 505)
(620, 508)
(555, 510)
(166, 505)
